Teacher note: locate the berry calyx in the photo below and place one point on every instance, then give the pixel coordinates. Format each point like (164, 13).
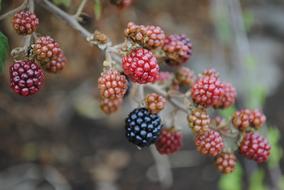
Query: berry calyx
(112, 84)
(209, 143)
(207, 91)
(149, 37)
(25, 22)
(45, 49)
(142, 128)
(198, 120)
(169, 141)
(155, 103)
(226, 162)
(141, 66)
(178, 49)
(255, 147)
(26, 77)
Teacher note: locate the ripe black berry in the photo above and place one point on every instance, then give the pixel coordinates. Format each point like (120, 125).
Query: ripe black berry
(142, 128)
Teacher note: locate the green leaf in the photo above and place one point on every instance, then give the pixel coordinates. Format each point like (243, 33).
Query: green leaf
(256, 97)
(65, 3)
(98, 9)
(4, 47)
(232, 181)
(256, 180)
(276, 151)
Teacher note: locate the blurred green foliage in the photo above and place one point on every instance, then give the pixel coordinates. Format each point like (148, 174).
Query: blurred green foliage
(276, 152)
(256, 180)
(232, 181)
(65, 3)
(98, 9)
(4, 46)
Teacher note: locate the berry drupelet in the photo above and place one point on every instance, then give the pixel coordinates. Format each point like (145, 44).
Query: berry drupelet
(209, 143)
(26, 77)
(25, 22)
(199, 120)
(112, 84)
(241, 119)
(255, 147)
(228, 98)
(226, 162)
(155, 103)
(178, 49)
(169, 141)
(142, 128)
(257, 119)
(141, 66)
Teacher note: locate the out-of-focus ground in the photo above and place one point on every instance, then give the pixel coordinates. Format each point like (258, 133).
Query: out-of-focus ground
(59, 140)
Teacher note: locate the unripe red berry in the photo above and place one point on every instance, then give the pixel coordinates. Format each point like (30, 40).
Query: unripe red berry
(257, 119)
(25, 22)
(149, 37)
(184, 77)
(198, 120)
(109, 106)
(242, 119)
(141, 66)
(45, 49)
(26, 77)
(169, 141)
(56, 64)
(207, 91)
(178, 49)
(209, 143)
(255, 147)
(228, 98)
(112, 84)
(226, 162)
(155, 103)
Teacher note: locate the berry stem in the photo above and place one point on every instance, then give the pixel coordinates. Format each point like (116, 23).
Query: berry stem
(12, 12)
(80, 9)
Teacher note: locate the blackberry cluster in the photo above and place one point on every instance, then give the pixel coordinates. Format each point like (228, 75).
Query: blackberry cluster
(45, 49)
(184, 77)
(149, 37)
(141, 66)
(226, 162)
(169, 141)
(112, 84)
(26, 77)
(155, 103)
(228, 98)
(199, 120)
(25, 22)
(209, 143)
(244, 119)
(142, 128)
(109, 106)
(56, 64)
(255, 147)
(178, 49)
(207, 90)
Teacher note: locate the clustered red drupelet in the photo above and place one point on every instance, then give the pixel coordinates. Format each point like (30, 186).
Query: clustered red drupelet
(155, 103)
(169, 141)
(199, 120)
(26, 77)
(25, 22)
(226, 162)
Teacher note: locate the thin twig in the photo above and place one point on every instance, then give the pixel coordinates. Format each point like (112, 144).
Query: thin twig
(12, 12)
(69, 19)
(80, 9)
